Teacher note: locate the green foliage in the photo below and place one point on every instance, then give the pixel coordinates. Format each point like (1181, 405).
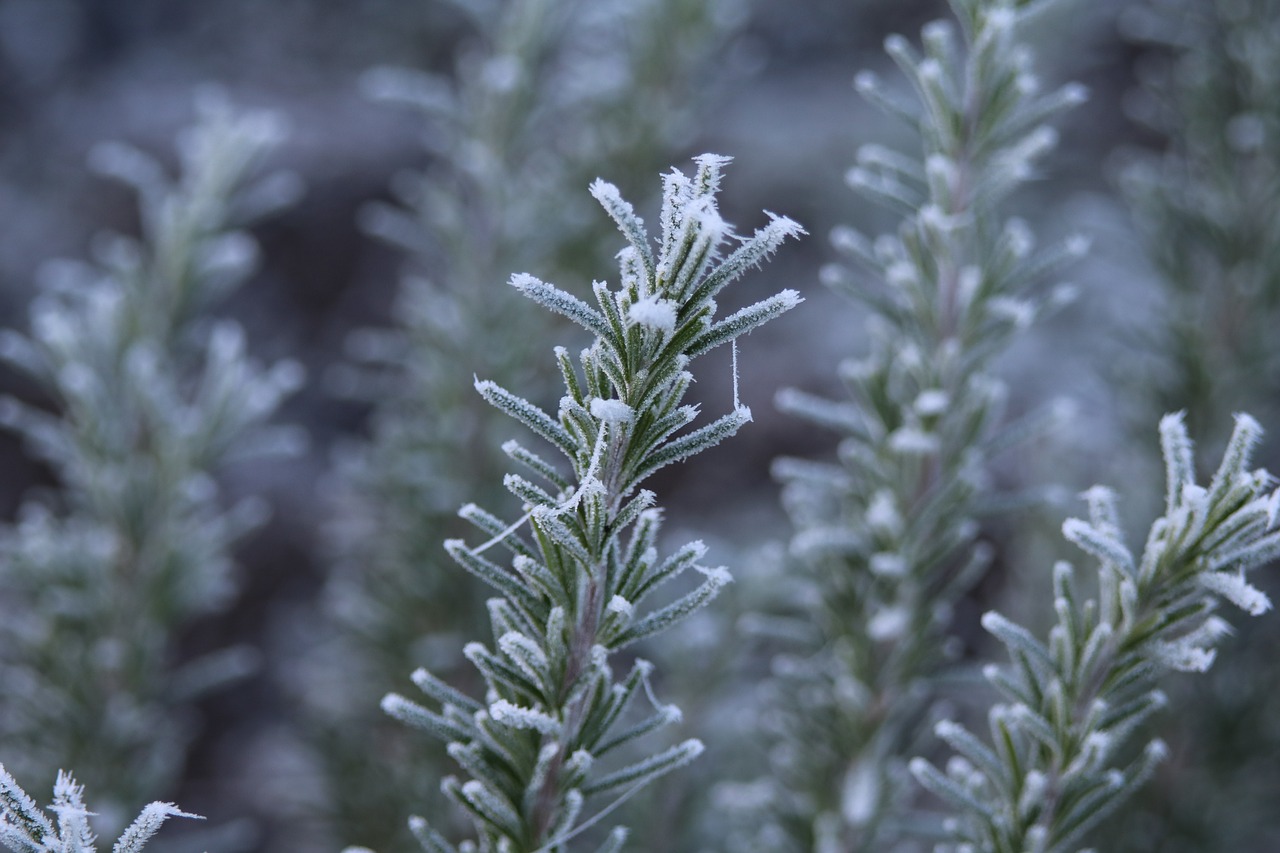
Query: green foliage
(1204, 207)
(550, 94)
(1057, 763)
(153, 399)
(555, 722)
(542, 744)
(886, 537)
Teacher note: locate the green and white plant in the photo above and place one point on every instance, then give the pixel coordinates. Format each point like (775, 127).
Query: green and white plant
(153, 399)
(887, 540)
(1209, 71)
(553, 731)
(25, 828)
(551, 93)
(1061, 752)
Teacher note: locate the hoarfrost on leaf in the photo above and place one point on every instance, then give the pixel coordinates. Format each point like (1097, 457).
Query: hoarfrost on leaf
(654, 312)
(1233, 587)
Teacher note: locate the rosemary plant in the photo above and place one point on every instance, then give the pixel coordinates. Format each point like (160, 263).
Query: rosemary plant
(24, 828)
(1059, 758)
(553, 726)
(886, 539)
(552, 93)
(153, 398)
(1205, 206)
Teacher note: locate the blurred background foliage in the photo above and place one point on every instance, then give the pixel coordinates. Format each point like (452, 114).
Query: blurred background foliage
(773, 90)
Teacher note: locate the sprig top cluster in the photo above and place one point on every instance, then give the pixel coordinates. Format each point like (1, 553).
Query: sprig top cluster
(541, 742)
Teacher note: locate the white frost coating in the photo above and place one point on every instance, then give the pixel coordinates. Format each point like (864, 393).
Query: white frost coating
(1034, 784)
(887, 564)
(581, 760)
(901, 274)
(1184, 656)
(1001, 19)
(860, 793)
(1074, 93)
(947, 729)
(234, 253)
(858, 177)
(1020, 238)
(831, 275)
(818, 541)
(846, 239)
(932, 401)
(611, 411)
(524, 281)
(932, 217)
(1019, 312)
(147, 824)
(1099, 743)
(942, 168)
(719, 575)
(1234, 588)
(967, 284)
(1213, 629)
(882, 513)
(1195, 498)
(913, 441)
(620, 605)
(655, 313)
(959, 768)
(889, 623)
(515, 716)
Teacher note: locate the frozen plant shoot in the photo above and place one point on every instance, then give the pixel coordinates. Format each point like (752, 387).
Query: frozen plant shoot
(539, 750)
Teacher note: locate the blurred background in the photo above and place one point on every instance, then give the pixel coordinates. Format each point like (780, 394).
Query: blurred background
(773, 91)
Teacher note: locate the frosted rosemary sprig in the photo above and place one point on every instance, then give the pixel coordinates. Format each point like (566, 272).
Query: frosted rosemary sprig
(1060, 758)
(25, 828)
(545, 95)
(886, 537)
(153, 399)
(546, 744)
